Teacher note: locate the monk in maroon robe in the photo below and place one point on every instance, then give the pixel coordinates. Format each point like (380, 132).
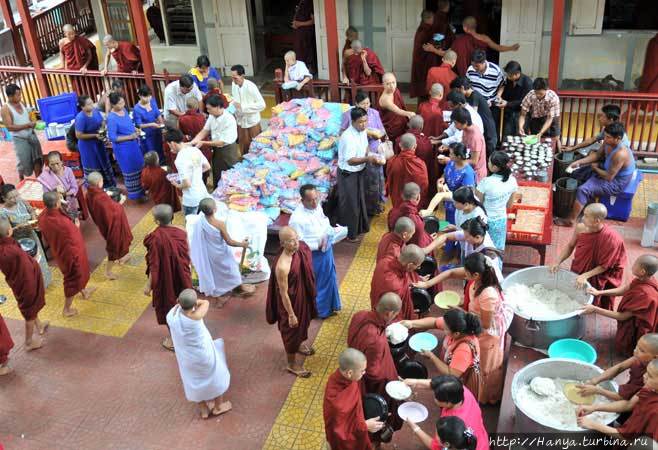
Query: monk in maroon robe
(366, 334)
(427, 153)
(291, 298)
(154, 180)
(404, 168)
(441, 23)
(637, 312)
(432, 113)
(351, 34)
(191, 123)
(599, 255)
(392, 242)
(649, 78)
(396, 275)
(393, 111)
(167, 265)
(68, 248)
(409, 208)
(422, 60)
(125, 54)
(363, 66)
(304, 35)
(345, 424)
(6, 344)
(78, 52)
(111, 220)
(23, 275)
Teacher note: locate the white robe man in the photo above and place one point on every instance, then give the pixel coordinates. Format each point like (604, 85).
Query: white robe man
(314, 229)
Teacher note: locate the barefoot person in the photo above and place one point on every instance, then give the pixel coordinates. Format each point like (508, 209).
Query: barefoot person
(201, 360)
(390, 245)
(111, 220)
(68, 248)
(167, 265)
(345, 424)
(291, 298)
(212, 256)
(6, 344)
(23, 275)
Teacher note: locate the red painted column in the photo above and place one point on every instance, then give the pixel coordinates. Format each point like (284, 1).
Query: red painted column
(32, 44)
(142, 35)
(331, 24)
(556, 44)
(13, 29)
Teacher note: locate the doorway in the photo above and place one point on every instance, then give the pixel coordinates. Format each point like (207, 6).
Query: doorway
(273, 35)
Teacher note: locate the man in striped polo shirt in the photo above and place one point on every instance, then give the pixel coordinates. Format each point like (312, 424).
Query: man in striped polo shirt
(485, 76)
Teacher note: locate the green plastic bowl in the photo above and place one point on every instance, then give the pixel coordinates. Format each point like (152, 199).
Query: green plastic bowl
(530, 140)
(572, 349)
(41, 125)
(443, 224)
(447, 299)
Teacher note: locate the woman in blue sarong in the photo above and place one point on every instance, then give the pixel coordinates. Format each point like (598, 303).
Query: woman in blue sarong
(125, 144)
(93, 155)
(148, 118)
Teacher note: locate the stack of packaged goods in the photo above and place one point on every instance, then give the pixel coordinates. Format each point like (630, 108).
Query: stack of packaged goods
(299, 147)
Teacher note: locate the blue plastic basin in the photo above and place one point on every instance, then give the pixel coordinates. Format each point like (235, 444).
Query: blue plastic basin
(572, 349)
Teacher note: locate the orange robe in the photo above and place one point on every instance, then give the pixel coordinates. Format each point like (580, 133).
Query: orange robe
(161, 191)
(390, 276)
(342, 409)
(77, 52)
(302, 293)
(395, 124)
(604, 248)
(404, 168)
(68, 248)
(443, 74)
(641, 300)
(390, 245)
(111, 220)
(23, 275)
(6, 343)
(644, 418)
(127, 57)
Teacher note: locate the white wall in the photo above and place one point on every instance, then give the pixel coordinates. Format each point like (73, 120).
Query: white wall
(175, 58)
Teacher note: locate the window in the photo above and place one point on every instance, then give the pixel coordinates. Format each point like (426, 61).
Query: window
(179, 20)
(630, 15)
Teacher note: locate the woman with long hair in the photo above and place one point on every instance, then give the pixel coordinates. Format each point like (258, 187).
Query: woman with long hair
(88, 130)
(148, 118)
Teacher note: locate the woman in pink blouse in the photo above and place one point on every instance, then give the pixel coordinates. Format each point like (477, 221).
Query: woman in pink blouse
(473, 139)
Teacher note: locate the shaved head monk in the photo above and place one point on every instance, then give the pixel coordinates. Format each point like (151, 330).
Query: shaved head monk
(409, 207)
(167, 265)
(366, 334)
(600, 254)
(432, 112)
(6, 344)
(403, 168)
(291, 298)
(396, 275)
(392, 242)
(426, 152)
(637, 312)
(155, 182)
(78, 52)
(363, 66)
(23, 275)
(111, 220)
(125, 54)
(394, 112)
(68, 248)
(345, 424)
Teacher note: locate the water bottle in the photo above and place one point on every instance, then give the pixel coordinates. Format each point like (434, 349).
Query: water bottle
(650, 226)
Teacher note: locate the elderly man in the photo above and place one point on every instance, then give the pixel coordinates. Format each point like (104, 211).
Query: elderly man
(543, 105)
(363, 67)
(176, 95)
(59, 178)
(16, 118)
(248, 103)
(485, 76)
(613, 166)
(77, 52)
(290, 297)
(481, 105)
(403, 168)
(126, 55)
(515, 88)
(432, 111)
(443, 74)
(392, 242)
(201, 360)
(393, 110)
(314, 229)
(422, 60)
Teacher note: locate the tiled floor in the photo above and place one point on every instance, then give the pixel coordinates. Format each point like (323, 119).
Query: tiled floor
(107, 384)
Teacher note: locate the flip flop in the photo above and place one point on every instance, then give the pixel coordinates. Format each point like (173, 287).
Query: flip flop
(299, 373)
(219, 412)
(171, 349)
(310, 351)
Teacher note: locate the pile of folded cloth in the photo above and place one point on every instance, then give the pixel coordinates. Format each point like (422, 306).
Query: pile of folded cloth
(299, 147)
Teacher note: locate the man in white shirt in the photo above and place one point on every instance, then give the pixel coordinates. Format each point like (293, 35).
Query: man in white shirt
(176, 95)
(314, 229)
(223, 132)
(452, 134)
(190, 164)
(351, 184)
(248, 104)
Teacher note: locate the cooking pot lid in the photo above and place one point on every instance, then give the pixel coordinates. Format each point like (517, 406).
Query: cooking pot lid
(432, 224)
(412, 369)
(374, 405)
(427, 267)
(421, 298)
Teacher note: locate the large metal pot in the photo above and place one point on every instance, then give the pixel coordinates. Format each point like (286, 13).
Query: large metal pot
(539, 332)
(551, 368)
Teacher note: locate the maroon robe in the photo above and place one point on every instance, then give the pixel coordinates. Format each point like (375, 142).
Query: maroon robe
(394, 124)
(354, 69)
(191, 123)
(644, 417)
(649, 79)
(404, 168)
(443, 74)
(422, 61)
(302, 293)
(642, 300)
(68, 248)
(23, 275)
(635, 379)
(366, 334)
(6, 343)
(344, 421)
(161, 191)
(432, 114)
(389, 245)
(442, 25)
(410, 210)
(111, 220)
(127, 57)
(304, 37)
(390, 276)
(76, 53)
(464, 45)
(427, 153)
(604, 248)
(168, 264)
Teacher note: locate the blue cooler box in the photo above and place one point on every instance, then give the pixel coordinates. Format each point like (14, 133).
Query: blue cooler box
(620, 206)
(59, 109)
